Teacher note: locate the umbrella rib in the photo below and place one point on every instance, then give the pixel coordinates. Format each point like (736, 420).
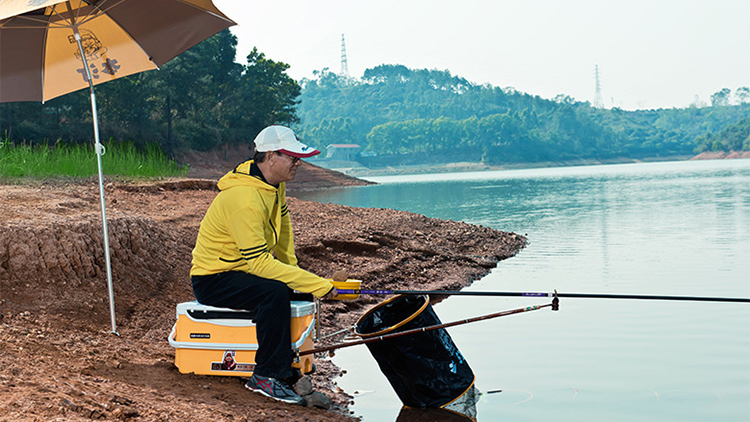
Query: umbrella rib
(25, 18)
(177, 1)
(93, 12)
(73, 15)
(44, 59)
(97, 9)
(205, 11)
(123, 29)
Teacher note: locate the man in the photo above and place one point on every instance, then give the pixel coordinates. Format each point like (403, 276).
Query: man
(244, 255)
(228, 364)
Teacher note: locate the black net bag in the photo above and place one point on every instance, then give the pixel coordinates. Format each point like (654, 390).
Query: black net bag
(425, 369)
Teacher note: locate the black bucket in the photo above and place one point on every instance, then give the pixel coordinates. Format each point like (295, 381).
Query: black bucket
(425, 369)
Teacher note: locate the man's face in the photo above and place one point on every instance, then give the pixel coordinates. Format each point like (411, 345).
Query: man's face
(284, 166)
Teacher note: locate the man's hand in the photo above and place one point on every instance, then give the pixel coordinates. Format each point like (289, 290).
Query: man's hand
(333, 294)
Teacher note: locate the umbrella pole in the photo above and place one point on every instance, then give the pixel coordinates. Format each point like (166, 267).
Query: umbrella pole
(99, 148)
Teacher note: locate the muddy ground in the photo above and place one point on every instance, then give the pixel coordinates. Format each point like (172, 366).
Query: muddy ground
(57, 359)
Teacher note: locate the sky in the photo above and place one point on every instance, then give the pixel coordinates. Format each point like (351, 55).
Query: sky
(650, 53)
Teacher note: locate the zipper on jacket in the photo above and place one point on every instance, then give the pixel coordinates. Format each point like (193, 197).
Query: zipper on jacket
(270, 221)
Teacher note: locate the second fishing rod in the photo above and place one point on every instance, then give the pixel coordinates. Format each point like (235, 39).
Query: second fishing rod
(354, 293)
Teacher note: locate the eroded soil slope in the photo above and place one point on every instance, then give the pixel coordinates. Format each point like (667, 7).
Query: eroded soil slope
(57, 361)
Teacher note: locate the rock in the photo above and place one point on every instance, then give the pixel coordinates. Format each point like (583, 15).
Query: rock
(121, 400)
(125, 413)
(70, 405)
(340, 275)
(317, 399)
(303, 387)
(95, 414)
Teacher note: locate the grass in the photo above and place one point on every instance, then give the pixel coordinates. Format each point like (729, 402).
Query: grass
(79, 161)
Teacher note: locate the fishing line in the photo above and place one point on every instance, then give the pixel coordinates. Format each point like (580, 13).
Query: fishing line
(554, 305)
(529, 396)
(544, 294)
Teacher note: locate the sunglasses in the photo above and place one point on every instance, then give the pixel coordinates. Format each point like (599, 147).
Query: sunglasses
(295, 160)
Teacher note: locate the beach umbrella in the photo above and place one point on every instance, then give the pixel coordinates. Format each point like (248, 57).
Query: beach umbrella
(51, 47)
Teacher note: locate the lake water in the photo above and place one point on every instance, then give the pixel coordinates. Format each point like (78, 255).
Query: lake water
(675, 228)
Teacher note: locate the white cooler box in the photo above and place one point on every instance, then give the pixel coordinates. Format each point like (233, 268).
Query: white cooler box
(222, 341)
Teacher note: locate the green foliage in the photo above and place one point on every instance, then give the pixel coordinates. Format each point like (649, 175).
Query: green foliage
(60, 159)
(432, 116)
(721, 98)
(196, 135)
(743, 94)
(265, 95)
(127, 160)
(735, 137)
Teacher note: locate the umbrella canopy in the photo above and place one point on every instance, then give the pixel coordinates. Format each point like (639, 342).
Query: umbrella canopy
(40, 58)
(52, 47)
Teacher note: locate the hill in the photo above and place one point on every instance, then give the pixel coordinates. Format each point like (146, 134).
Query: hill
(408, 117)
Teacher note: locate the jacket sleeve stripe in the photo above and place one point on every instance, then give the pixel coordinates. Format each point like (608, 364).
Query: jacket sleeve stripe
(248, 257)
(254, 249)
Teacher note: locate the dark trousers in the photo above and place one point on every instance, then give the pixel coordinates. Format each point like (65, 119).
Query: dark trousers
(269, 299)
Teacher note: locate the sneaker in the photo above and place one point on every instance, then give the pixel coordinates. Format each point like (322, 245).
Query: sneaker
(291, 380)
(296, 375)
(274, 389)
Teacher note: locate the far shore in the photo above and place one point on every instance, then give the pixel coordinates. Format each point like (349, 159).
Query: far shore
(214, 164)
(359, 171)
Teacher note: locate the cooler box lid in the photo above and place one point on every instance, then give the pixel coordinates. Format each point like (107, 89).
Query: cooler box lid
(200, 311)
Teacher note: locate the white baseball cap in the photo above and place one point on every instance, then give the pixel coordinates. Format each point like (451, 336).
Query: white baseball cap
(282, 139)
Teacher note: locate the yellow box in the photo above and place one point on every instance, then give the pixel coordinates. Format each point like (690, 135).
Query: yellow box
(347, 285)
(220, 341)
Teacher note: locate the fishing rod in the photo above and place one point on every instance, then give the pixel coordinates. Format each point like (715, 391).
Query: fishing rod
(554, 305)
(542, 294)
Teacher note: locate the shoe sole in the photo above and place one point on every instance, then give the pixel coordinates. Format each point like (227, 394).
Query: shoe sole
(302, 403)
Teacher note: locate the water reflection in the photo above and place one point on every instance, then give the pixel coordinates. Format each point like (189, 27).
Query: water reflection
(408, 414)
(463, 409)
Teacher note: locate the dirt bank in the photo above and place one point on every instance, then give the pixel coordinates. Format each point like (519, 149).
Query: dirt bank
(58, 363)
(722, 155)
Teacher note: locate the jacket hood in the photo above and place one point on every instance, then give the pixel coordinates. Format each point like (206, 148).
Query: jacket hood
(241, 176)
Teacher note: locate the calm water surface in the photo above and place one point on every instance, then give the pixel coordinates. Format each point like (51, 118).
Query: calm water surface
(679, 228)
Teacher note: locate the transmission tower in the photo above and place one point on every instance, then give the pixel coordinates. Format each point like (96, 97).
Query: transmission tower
(344, 64)
(598, 103)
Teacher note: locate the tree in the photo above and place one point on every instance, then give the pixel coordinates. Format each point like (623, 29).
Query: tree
(743, 94)
(265, 95)
(188, 92)
(720, 98)
(387, 73)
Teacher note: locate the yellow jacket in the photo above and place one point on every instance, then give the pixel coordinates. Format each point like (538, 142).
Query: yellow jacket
(247, 223)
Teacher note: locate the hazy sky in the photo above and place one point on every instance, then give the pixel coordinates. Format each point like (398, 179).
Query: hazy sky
(650, 53)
